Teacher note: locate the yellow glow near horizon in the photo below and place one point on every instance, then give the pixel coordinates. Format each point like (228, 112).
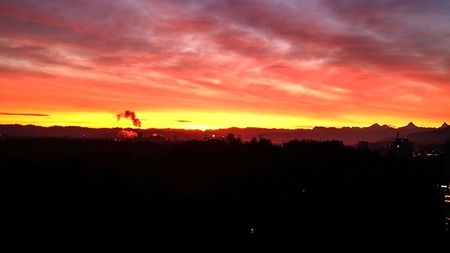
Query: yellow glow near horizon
(202, 120)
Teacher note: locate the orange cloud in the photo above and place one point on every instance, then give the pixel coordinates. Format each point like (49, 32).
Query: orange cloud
(345, 62)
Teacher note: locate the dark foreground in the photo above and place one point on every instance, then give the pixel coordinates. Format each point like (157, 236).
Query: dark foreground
(225, 192)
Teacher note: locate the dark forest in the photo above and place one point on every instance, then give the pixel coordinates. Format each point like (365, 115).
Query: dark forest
(215, 191)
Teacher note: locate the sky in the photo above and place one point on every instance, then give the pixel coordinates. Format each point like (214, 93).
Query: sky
(222, 63)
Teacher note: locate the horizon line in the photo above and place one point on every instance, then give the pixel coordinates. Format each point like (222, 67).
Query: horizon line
(221, 128)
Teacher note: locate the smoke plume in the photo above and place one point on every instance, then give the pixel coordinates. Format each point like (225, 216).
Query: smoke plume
(129, 115)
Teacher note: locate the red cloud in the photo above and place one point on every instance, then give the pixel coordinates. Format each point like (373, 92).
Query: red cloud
(304, 58)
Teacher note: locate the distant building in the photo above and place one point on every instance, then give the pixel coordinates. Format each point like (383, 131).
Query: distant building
(214, 137)
(402, 147)
(446, 187)
(447, 159)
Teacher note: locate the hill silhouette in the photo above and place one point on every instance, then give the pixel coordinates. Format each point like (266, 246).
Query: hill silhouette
(349, 135)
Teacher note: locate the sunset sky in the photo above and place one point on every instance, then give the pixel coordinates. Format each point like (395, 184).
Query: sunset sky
(218, 63)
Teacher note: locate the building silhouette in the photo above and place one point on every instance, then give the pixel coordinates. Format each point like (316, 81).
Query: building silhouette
(402, 147)
(447, 159)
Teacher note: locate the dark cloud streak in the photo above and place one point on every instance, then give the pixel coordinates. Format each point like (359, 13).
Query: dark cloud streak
(24, 114)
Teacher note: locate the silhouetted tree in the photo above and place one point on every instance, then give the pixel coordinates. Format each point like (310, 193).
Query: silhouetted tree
(212, 191)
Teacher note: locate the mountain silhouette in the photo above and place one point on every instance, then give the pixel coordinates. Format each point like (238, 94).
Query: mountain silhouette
(378, 126)
(348, 135)
(410, 126)
(436, 136)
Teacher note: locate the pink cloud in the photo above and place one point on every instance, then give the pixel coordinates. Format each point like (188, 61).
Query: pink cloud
(326, 57)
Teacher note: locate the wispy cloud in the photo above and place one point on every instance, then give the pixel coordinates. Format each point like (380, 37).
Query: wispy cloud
(261, 56)
(24, 114)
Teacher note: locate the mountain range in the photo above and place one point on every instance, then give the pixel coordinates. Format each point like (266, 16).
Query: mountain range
(349, 135)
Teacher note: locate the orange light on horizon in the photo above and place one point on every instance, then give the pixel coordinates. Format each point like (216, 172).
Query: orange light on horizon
(198, 120)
